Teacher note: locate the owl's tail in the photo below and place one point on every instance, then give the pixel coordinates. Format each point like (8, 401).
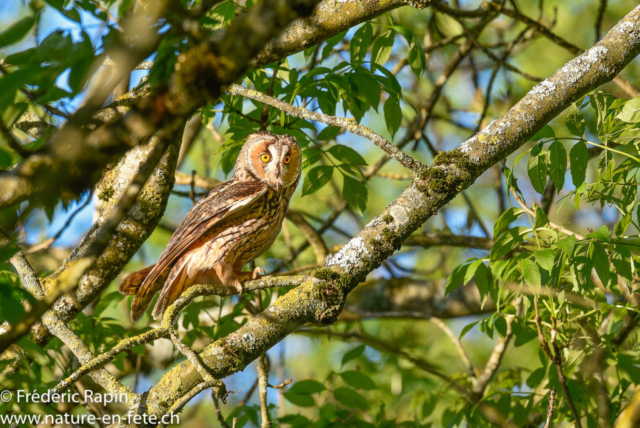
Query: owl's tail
(132, 286)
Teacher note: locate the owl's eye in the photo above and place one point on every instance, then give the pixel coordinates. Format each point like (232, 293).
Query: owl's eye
(265, 157)
(287, 159)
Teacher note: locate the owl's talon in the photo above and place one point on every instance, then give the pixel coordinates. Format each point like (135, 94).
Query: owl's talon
(238, 286)
(257, 272)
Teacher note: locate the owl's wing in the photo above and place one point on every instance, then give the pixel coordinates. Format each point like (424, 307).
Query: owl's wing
(221, 203)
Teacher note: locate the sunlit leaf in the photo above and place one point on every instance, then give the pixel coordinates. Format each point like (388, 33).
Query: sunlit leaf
(316, 179)
(631, 111)
(530, 273)
(360, 43)
(382, 47)
(358, 380)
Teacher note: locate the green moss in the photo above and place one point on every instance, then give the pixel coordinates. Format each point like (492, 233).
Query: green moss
(106, 194)
(325, 274)
(375, 244)
(387, 234)
(457, 159)
(436, 180)
(387, 218)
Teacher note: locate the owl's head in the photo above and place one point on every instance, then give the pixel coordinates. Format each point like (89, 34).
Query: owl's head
(276, 160)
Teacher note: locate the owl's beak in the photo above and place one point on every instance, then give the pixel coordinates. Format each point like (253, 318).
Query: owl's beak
(277, 182)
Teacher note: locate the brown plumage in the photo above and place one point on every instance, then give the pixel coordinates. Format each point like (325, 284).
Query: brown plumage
(234, 224)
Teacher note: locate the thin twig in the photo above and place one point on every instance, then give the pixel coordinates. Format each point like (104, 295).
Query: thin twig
(192, 187)
(552, 401)
(556, 358)
(454, 339)
(601, 10)
(44, 245)
(263, 382)
(481, 381)
(281, 385)
(351, 125)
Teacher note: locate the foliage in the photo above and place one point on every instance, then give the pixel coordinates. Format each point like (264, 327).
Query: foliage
(563, 251)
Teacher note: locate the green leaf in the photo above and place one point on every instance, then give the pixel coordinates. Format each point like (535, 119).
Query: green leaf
(350, 398)
(368, 87)
(523, 333)
(541, 218)
(392, 114)
(311, 156)
(456, 279)
(448, 25)
(536, 377)
(471, 271)
(327, 412)
(353, 354)
(628, 362)
(307, 387)
(347, 155)
(17, 31)
(359, 43)
(331, 42)
(355, 193)
(484, 279)
(544, 258)
(600, 261)
(508, 216)
(317, 178)
(224, 13)
(621, 227)
(466, 329)
(301, 400)
(601, 234)
(328, 133)
(557, 164)
(382, 47)
(575, 121)
(537, 170)
(579, 156)
(6, 160)
(631, 111)
(417, 59)
(358, 380)
(507, 242)
(621, 259)
(545, 132)
(535, 150)
(530, 273)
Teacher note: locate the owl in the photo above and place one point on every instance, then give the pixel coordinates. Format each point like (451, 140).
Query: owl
(234, 224)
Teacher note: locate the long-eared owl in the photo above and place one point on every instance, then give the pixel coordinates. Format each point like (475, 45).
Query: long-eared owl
(234, 224)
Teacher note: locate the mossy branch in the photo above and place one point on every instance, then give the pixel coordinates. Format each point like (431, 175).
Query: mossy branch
(166, 330)
(102, 377)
